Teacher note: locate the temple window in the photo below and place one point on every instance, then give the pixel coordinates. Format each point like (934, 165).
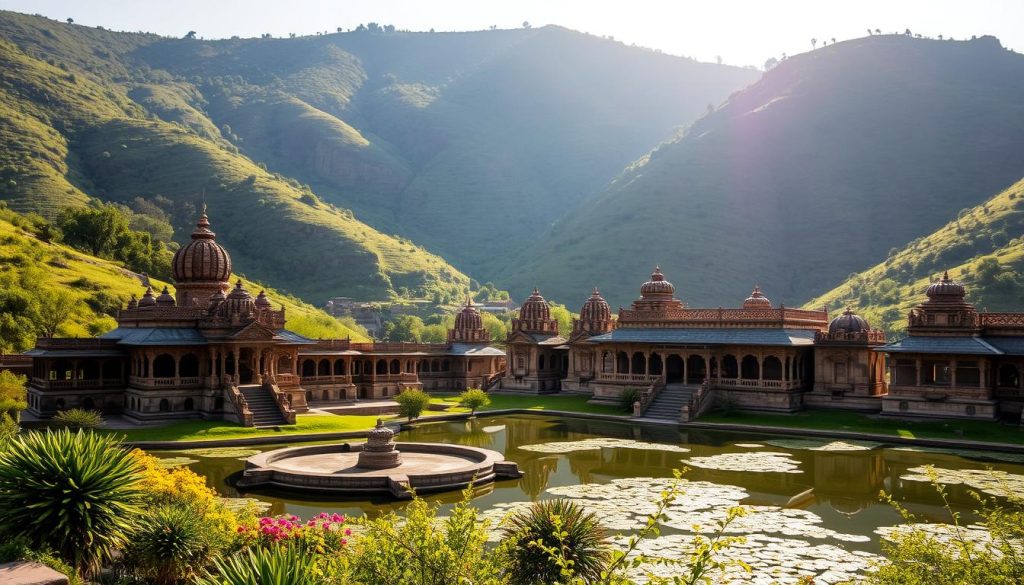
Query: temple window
(540, 362)
(395, 367)
(968, 374)
(163, 366)
(749, 368)
(772, 368)
(308, 368)
(323, 368)
(189, 366)
(937, 373)
(904, 373)
(1009, 376)
(607, 362)
(839, 372)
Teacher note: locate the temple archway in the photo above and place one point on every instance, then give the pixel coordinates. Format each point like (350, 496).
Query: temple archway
(382, 367)
(696, 369)
(623, 362)
(395, 367)
(163, 366)
(339, 367)
(749, 368)
(323, 368)
(639, 363)
(673, 369)
(655, 364)
(308, 368)
(189, 366)
(772, 368)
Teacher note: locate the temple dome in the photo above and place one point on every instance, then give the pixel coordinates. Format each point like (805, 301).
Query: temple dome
(165, 298)
(262, 302)
(595, 308)
(757, 300)
(468, 318)
(848, 322)
(202, 259)
(147, 300)
(535, 308)
(946, 288)
(657, 285)
(240, 301)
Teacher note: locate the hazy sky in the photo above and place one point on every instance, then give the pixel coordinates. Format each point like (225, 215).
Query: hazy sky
(742, 32)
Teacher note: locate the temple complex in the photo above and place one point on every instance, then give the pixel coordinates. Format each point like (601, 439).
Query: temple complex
(217, 351)
(214, 350)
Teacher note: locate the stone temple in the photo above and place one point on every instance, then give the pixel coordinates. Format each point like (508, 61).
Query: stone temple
(214, 350)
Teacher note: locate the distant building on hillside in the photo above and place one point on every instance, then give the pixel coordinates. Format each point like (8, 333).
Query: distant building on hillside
(367, 315)
(954, 362)
(214, 350)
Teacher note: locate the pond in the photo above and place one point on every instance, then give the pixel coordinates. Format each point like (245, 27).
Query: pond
(813, 504)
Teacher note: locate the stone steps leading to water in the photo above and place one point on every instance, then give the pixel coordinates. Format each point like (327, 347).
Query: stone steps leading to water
(265, 412)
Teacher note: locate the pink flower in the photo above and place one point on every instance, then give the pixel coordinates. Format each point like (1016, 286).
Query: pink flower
(344, 542)
(323, 514)
(242, 529)
(348, 532)
(327, 525)
(337, 517)
(312, 522)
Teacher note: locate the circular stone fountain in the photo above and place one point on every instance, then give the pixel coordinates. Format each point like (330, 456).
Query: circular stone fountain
(378, 466)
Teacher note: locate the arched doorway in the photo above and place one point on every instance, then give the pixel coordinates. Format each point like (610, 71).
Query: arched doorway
(772, 368)
(245, 367)
(163, 366)
(189, 366)
(639, 364)
(673, 369)
(749, 368)
(696, 369)
(655, 364)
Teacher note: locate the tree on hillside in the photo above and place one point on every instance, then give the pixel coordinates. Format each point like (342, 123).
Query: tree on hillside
(718, 58)
(814, 43)
(770, 63)
(55, 306)
(18, 310)
(870, 33)
(12, 393)
(71, 21)
(878, 31)
(526, 24)
(389, 28)
(190, 34)
(373, 27)
(404, 328)
(105, 231)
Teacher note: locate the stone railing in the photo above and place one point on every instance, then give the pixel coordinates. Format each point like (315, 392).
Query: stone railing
(631, 378)
(780, 317)
(286, 379)
(283, 401)
(318, 380)
(1002, 319)
(647, 396)
(58, 384)
(773, 384)
(699, 403)
(237, 400)
(870, 336)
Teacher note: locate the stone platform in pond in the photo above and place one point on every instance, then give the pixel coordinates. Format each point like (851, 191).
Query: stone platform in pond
(337, 469)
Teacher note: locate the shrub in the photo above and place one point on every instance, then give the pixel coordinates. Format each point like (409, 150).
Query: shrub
(474, 399)
(278, 565)
(77, 418)
(576, 535)
(629, 396)
(412, 402)
(172, 544)
(18, 549)
(8, 430)
(75, 493)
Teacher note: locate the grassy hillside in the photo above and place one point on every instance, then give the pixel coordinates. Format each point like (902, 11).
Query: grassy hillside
(101, 286)
(80, 117)
(983, 247)
(814, 172)
(469, 143)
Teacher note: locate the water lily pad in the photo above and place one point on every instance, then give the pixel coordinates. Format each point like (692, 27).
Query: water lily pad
(991, 481)
(600, 443)
(824, 444)
(760, 462)
(748, 445)
(241, 504)
(968, 453)
(493, 428)
(171, 462)
(225, 452)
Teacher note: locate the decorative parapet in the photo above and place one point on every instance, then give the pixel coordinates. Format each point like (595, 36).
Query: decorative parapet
(872, 336)
(723, 318)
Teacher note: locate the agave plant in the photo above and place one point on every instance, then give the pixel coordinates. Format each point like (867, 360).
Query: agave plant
(553, 537)
(74, 493)
(172, 543)
(277, 565)
(77, 418)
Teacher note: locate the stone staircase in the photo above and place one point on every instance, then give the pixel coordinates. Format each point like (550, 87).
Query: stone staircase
(668, 404)
(264, 408)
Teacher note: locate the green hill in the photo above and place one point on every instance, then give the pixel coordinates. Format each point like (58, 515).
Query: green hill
(80, 117)
(471, 144)
(99, 287)
(812, 173)
(983, 247)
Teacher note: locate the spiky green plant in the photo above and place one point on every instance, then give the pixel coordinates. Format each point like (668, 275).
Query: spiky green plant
(77, 418)
(279, 565)
(556, 529)
(74, 493)
(172, 543)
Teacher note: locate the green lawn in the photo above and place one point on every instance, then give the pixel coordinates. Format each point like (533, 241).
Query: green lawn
(547, 402)
(203, 430)
(862, 423)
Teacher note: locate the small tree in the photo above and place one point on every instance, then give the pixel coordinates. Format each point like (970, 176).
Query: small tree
(12, 393)
(55, 306)
(474, 399)
(190, 34)
(71, 21)
(412, 402)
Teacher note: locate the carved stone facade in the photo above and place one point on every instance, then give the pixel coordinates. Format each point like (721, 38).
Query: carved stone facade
(536, 354)
(213, 351)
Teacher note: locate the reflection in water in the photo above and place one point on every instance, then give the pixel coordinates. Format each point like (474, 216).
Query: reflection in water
(840, 487)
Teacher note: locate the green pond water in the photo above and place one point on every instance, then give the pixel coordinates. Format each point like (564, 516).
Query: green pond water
(814, 503)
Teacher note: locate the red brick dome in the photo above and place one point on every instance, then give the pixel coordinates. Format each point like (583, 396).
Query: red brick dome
(148, 300)
(757, 300)
(595, 308)
(240, 301)
(468, 318)
(535, 308)
(262, 302)
(946, 288)
(202, 259)
(657, 286)
(165, 298)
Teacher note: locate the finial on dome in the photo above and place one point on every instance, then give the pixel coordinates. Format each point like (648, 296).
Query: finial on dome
(202, 230)
(945, 275)
(596, 292)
